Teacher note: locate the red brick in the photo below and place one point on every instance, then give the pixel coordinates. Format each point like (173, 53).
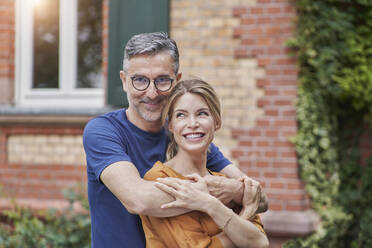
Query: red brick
(274, 30)
(276, 185)
(236, 153)
(283, 102)
(288, 154)
(271, 154)
(274, 51)
(285, 165)
(239, 11)
(296, 207)
(245, 143)
(262, 82)
(257, 10)
(262, 164)
(263, 102)
(275, 206)
(254, 133)
(283, 144)
(290, 72)
(241, 52)
(262, 143)
(237, 133)
(272, 92)
(270, 174)
(248, 20)
(254, 31)
(296, 185)
(274, 10)
(271, 133)
(248, 41)
(262, 123)
(264, 62)
(264, 20)
(271, 112)
(289, 112)
(285, 123)
(273, 72)
(286, 197)
(289, 175)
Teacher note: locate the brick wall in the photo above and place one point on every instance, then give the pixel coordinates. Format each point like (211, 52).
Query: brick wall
(39, 182)
(7, 38)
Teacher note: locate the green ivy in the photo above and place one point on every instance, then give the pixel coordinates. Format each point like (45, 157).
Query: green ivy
(334, 49)
(26, 228)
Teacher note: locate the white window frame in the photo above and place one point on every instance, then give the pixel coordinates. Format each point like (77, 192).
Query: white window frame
(67, 95)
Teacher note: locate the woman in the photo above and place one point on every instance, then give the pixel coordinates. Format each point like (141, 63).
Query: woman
(193, 114)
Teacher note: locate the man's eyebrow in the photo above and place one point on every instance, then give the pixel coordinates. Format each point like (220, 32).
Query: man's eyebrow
(163, 75)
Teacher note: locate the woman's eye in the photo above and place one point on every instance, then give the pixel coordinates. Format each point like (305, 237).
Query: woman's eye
(203, 113)
(179, 115)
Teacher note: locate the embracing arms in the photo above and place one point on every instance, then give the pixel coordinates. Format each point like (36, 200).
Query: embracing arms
(238, 229)
(140, 196)
(137, 195)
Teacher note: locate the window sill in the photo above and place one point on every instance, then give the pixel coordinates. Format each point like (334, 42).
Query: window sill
(10, 115)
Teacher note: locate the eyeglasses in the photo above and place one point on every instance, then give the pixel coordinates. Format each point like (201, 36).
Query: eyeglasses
(141, 83)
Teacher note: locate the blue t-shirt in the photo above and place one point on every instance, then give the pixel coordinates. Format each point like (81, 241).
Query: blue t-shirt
(110, 138)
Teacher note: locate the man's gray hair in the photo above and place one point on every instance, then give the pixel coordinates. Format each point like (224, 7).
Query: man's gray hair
(151, 43)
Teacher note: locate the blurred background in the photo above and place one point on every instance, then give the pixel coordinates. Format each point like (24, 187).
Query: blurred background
(295, 83)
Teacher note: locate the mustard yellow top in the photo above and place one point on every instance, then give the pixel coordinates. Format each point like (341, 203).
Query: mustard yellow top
(194, 229)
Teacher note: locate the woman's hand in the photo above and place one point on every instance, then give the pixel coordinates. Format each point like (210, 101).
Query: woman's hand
(192, 194)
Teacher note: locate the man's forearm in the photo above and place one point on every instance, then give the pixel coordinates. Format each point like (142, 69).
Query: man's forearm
(138, 196)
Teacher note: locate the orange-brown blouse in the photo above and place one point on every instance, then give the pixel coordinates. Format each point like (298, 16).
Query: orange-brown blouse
(194, 229)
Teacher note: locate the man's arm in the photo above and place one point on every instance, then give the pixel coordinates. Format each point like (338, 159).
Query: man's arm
(235, 188)
(136, 194)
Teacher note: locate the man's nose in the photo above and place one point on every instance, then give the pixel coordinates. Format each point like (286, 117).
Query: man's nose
(151, 91)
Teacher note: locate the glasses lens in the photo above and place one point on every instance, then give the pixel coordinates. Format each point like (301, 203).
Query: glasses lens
(163, 84)
(140, 83)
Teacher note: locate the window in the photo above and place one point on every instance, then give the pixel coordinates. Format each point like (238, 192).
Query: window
(59, 53)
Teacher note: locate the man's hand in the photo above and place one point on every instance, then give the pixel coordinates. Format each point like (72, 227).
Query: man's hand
(225, 189)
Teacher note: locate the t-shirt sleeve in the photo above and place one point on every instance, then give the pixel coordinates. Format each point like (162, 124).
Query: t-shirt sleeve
(103, 146)
(216, 161)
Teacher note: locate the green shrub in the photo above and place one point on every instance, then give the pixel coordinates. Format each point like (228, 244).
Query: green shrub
(46, 229)
(334, 51)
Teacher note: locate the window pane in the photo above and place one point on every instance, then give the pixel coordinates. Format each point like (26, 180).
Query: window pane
(46, 39)
(89, 44)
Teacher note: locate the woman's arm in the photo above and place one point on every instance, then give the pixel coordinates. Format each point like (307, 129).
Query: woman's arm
(241, 231)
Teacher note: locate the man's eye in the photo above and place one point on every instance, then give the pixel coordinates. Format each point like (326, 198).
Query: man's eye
(141, 79)
(163, 80)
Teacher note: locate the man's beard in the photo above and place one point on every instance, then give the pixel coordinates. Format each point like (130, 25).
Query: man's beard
(147, 115)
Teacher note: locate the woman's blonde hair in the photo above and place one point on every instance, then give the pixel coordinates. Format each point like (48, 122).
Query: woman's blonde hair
(193, 86)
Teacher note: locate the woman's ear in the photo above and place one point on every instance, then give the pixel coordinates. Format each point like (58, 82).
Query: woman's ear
(218, 126)
(170, 127)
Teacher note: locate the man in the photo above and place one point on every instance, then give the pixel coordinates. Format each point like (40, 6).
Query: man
(122, 145)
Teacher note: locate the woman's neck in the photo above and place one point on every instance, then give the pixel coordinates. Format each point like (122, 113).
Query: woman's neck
(188, 163)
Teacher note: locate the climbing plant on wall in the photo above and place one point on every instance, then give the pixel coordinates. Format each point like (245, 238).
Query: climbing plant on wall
(334, 51)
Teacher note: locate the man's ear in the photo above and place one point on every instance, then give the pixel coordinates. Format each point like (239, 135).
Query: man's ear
(124, 81)
(179, 75)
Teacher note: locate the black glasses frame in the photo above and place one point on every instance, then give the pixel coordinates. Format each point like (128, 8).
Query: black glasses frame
(154, 81)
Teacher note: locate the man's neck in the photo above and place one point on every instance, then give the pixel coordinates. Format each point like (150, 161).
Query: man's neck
(138, 121)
